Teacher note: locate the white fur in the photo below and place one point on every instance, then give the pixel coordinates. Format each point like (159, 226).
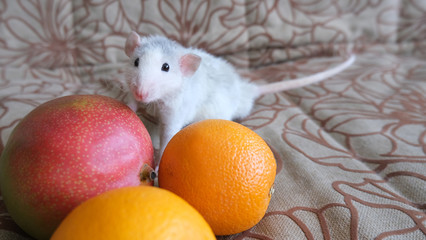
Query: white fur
(215, 90)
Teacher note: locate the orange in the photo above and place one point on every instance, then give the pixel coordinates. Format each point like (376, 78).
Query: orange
(223, 169)
(141, 212)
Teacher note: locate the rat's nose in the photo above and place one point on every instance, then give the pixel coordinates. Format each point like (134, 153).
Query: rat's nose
(139, 96)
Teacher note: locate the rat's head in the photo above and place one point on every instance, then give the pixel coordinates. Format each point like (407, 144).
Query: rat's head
(158, 67)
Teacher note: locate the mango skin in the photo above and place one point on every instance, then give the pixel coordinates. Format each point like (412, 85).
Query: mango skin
(66, 151)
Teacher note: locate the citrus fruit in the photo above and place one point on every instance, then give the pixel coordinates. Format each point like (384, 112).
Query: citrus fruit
(223, 169)
(141, 212)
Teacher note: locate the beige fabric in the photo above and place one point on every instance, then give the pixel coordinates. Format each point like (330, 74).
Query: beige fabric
(350, 150)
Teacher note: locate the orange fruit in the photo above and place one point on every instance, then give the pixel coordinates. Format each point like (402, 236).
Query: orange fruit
(223, 169)
(141, 212)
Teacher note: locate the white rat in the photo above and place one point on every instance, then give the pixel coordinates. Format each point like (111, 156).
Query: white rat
(190, 85)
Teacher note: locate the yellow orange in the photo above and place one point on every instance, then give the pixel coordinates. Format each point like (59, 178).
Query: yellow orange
(223, 169)
(133, 213)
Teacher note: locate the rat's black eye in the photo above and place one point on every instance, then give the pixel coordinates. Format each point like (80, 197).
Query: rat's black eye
(165, 67)
(136, 63)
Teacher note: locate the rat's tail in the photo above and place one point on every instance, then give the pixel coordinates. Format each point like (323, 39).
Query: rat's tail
(300, 82)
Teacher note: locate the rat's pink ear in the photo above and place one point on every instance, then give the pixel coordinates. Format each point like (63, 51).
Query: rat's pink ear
(189, 63)
(132, 42)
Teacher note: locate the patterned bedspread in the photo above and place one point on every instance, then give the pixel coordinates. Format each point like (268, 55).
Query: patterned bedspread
(351, 150)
